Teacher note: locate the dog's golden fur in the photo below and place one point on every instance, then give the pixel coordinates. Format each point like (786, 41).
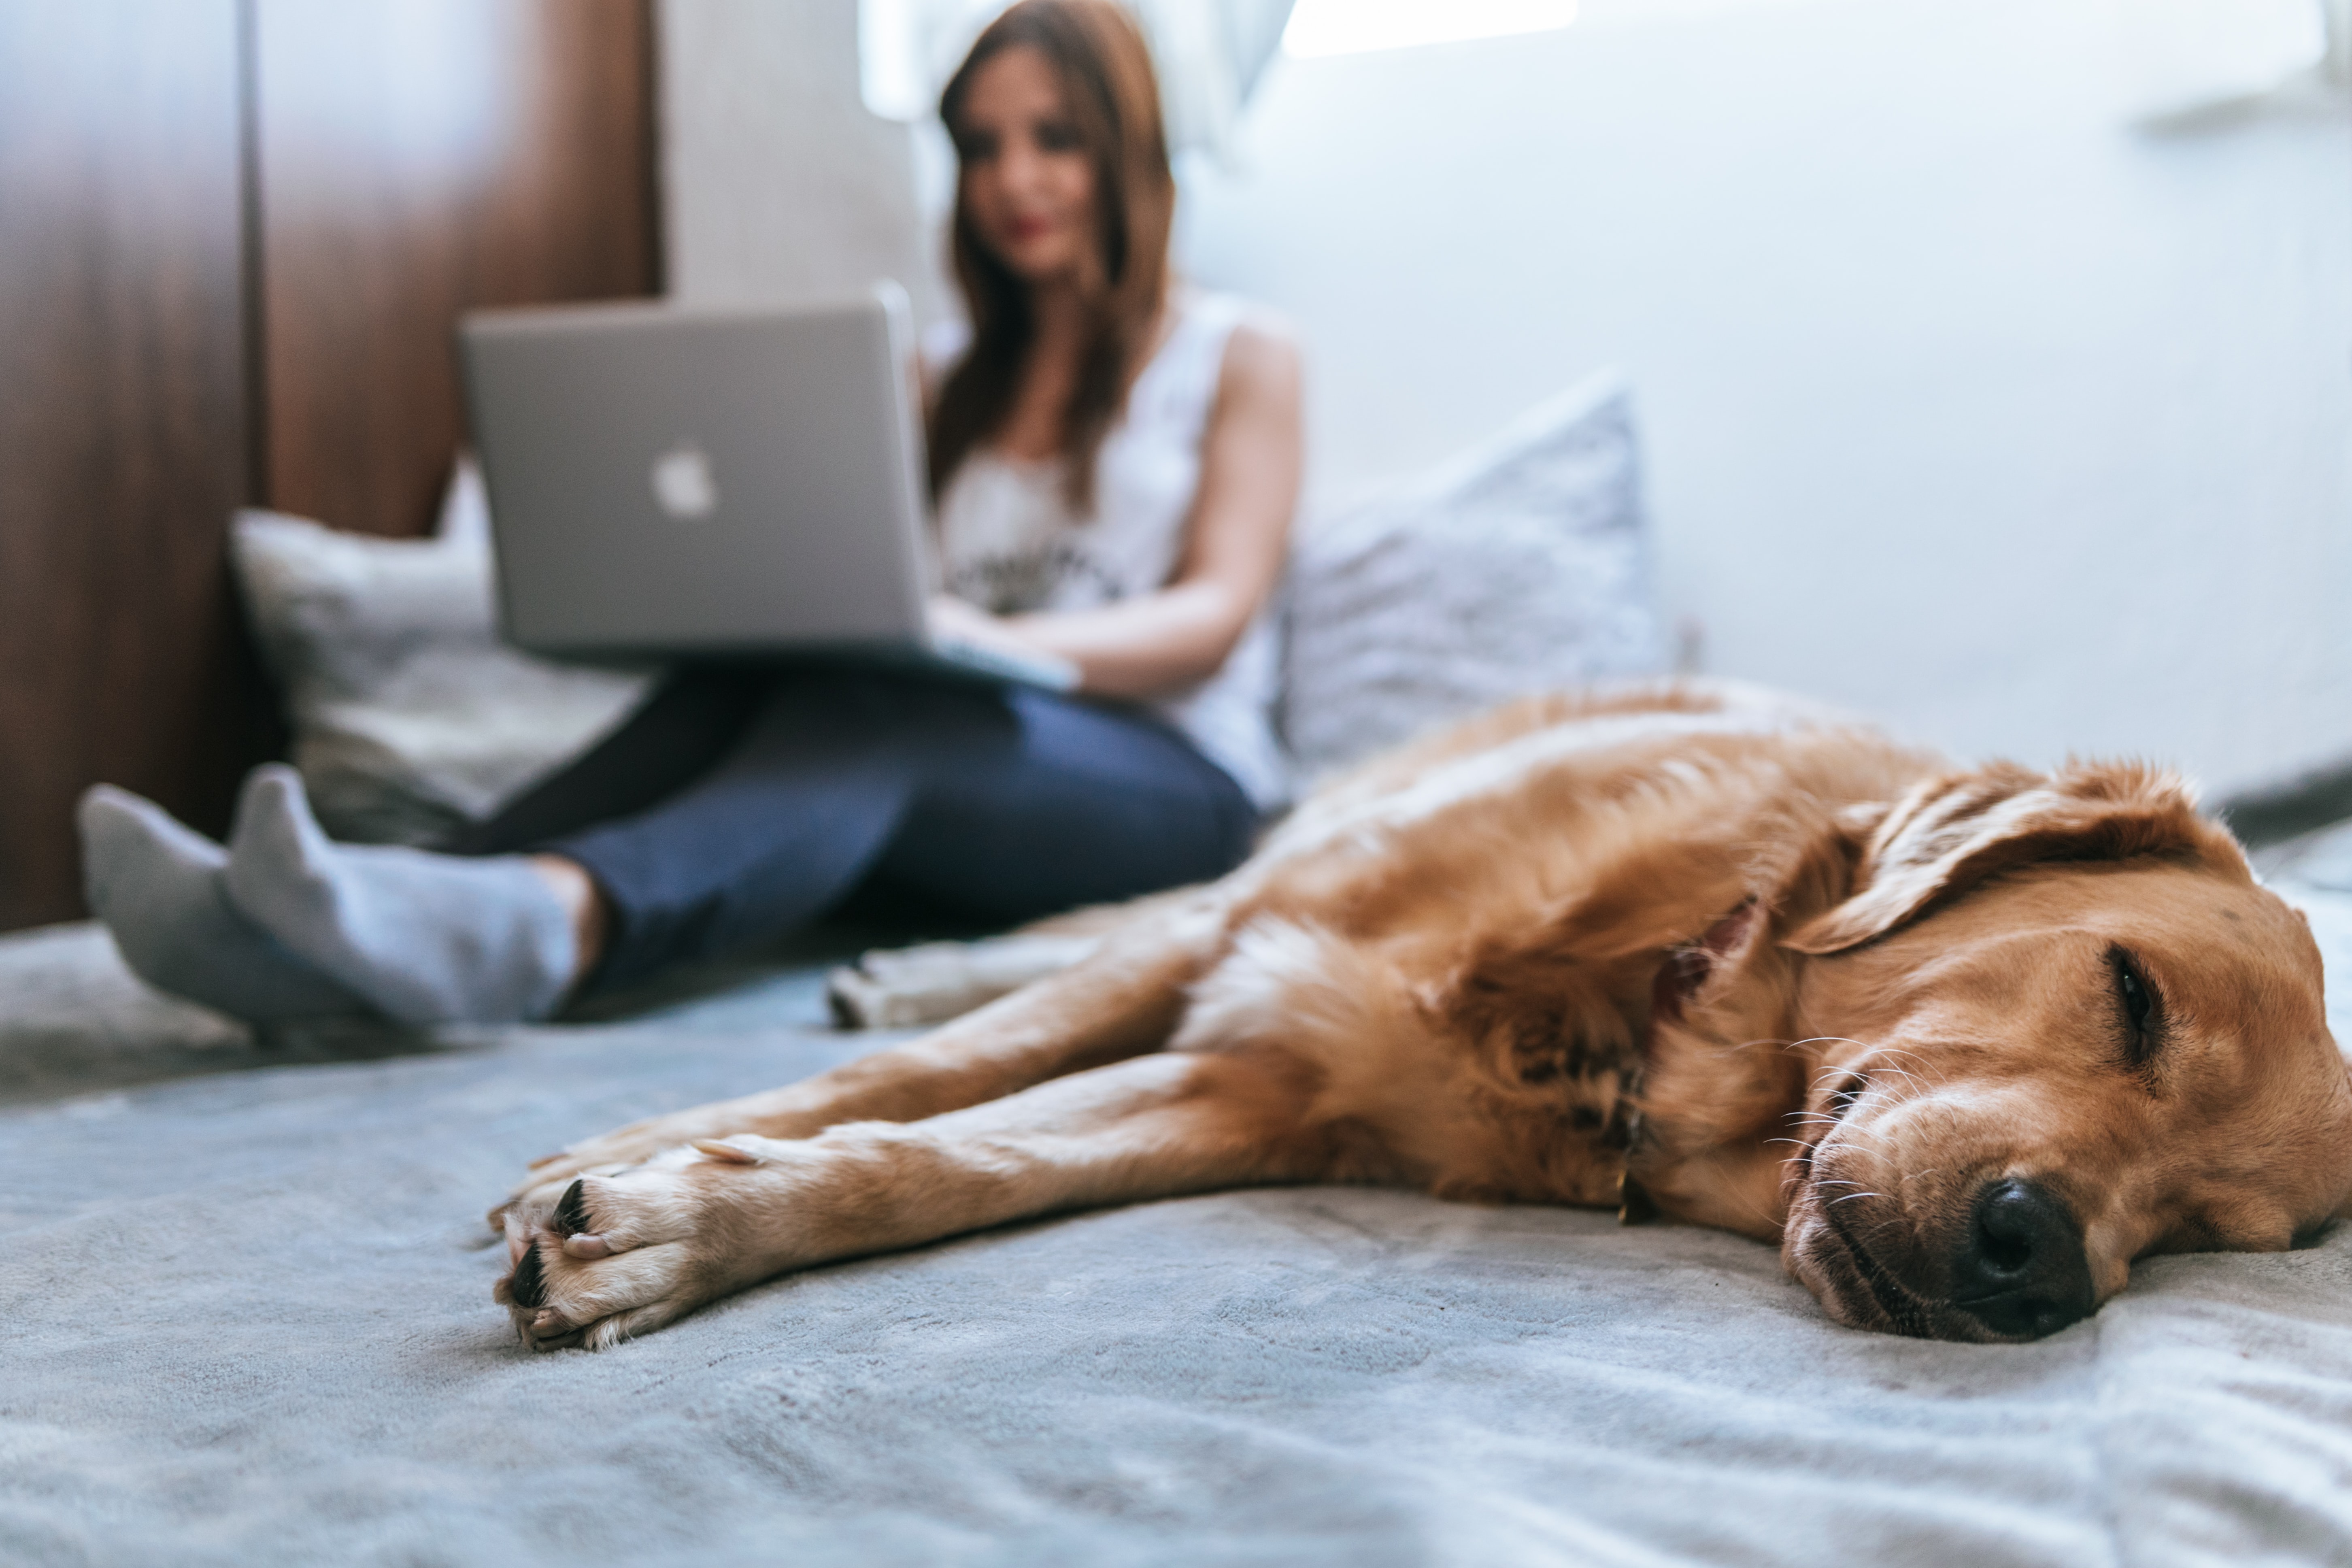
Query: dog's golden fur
(1758, 967)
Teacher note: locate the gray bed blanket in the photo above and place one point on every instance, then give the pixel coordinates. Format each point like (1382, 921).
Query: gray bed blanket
(245, 1296)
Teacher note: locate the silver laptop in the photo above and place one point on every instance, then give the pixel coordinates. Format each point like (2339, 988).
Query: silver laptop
(670, 482)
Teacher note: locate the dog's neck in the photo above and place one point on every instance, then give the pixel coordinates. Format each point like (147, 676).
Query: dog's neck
(1727, 1055)
(1725, 1069)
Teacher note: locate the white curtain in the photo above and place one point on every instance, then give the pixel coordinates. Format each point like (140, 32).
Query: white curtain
(1210, 54)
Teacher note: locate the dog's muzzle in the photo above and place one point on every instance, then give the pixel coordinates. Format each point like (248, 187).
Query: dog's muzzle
(2015, 1269)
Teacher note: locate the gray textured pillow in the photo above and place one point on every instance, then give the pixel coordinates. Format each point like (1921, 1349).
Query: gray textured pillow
(410, 716)
(1519, 566)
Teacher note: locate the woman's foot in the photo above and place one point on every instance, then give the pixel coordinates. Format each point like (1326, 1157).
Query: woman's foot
(157, 885)
(429, 939)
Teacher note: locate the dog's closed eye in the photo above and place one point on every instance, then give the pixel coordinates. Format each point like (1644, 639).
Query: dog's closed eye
(2138, 1006)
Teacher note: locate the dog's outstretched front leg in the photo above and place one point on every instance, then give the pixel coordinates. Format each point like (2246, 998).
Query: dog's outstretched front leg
(1123, 1001)
(624, 1254)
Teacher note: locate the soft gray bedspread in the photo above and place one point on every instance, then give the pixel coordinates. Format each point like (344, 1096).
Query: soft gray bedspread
(247, 1320)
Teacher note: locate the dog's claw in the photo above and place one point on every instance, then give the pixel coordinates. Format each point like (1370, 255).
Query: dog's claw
(528, 1288)
(590, 1246)
(571, 1216)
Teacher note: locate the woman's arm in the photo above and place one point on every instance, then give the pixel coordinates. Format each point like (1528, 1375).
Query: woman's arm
(1235, 546)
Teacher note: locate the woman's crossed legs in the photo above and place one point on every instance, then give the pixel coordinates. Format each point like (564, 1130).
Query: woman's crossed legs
(733, 806)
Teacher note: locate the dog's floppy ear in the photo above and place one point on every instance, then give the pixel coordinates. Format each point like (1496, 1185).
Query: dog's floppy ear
(1953, 831)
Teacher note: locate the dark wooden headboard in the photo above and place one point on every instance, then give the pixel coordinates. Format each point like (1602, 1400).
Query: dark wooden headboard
(234, 237)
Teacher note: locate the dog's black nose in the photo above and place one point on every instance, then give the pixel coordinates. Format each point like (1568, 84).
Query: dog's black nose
(2020, 1269)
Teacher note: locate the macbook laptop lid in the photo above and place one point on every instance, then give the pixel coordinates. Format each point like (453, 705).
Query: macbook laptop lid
(671, 481)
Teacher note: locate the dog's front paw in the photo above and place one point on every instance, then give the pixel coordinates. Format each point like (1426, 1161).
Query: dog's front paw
(624, 1252)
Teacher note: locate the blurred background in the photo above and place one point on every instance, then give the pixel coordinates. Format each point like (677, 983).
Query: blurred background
(1993, 358)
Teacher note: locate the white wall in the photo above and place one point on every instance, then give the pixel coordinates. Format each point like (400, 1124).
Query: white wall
(776, 183)
(1966, 404)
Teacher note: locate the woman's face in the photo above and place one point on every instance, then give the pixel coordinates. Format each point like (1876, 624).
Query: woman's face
(1028, 184)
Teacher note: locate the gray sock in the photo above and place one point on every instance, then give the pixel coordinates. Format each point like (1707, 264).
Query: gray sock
(429, 938)
(158, 886)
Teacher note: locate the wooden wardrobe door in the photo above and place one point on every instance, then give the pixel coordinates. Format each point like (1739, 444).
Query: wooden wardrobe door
(417, 158)
(123, 422)
(234, 236)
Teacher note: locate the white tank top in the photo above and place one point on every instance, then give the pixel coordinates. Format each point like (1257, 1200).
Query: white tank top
(1009, 542)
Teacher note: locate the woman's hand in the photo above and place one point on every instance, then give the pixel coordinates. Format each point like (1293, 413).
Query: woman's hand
(953, 620)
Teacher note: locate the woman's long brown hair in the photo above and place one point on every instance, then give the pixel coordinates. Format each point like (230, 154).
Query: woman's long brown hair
(1114, 107)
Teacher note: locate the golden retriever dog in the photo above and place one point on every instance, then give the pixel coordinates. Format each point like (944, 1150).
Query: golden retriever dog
(1963, 1041)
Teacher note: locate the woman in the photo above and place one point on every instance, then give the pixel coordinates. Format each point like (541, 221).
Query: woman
(1114, 462)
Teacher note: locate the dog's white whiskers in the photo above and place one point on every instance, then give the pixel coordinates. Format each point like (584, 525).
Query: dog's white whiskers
(1912, 1055)
(1825, 1123)
(1893, 1221)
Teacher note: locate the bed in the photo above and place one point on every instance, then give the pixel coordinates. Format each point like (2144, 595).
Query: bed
(247, 1297)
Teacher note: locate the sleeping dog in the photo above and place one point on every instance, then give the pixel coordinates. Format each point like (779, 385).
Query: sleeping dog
(1964, 1042)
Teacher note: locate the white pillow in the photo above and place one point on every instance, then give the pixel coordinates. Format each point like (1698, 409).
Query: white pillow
(410, 716)
(1519, 566)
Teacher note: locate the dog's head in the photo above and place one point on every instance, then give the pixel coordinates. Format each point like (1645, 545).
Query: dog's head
(2064, 1029)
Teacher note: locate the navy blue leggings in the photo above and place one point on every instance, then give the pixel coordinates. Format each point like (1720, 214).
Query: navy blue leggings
(738, 804)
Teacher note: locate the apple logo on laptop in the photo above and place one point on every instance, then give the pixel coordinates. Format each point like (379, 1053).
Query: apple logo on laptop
(683, 486)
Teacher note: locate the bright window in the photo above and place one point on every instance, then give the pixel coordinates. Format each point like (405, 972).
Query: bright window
(1358, 26)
